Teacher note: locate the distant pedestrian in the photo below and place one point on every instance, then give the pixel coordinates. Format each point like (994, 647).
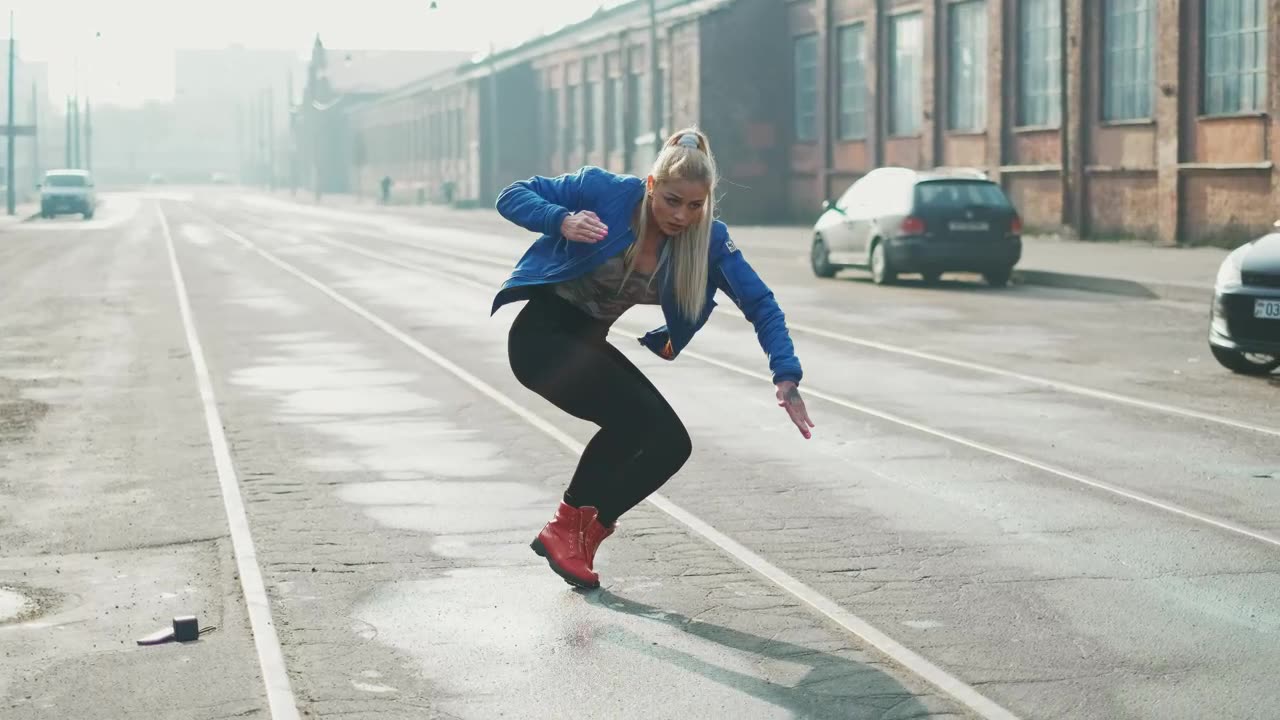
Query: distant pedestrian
(610, 242)
(386, 189)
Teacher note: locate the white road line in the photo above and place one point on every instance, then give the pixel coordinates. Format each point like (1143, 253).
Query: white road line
(888, 417)
(1058, 385)
(914, 663)
(275, 676)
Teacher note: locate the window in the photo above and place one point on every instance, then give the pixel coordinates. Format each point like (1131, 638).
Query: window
(553, 120)
(635, 105)
(957, 195)
(852, 47)
(906, 55)
(617, 118)
(1040, 63)
(1127, 31)
(967, 66)
(661, 99)
(594, 124)
(573, 128)
(1235, 56)
(806, 84)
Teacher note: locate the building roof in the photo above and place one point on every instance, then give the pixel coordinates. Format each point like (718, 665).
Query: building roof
(613, 16)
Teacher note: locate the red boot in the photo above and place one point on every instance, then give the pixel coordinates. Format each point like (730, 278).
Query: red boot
(596, 533)
(563, 542)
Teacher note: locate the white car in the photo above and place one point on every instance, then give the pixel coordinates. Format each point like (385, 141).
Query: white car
(67, 192)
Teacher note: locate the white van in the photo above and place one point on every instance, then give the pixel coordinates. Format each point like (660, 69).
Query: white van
(67, 192)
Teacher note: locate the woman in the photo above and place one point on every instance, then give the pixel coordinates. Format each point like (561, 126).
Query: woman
(610, 242)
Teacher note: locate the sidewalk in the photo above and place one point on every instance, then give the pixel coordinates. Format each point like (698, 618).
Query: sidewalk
(1124, 268)
(22, 213)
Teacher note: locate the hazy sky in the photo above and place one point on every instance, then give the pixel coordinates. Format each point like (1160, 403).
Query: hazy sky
(125, 47)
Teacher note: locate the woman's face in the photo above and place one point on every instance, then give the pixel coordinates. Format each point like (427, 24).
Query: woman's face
(678, 204)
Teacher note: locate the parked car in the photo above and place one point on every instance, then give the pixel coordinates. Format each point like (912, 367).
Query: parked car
(1244, 324)
(895, 221)
(67, 192)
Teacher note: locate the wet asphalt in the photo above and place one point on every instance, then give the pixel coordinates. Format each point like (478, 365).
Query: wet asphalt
(1056, 498)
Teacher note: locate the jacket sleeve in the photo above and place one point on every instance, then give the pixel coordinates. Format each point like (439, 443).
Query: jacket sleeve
(735, 276)
(540, 204)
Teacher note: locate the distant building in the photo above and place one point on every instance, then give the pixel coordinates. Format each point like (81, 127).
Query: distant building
(231, 113)
(336, 82)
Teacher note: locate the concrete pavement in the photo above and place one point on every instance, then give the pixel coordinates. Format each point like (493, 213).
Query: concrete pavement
(989, 489)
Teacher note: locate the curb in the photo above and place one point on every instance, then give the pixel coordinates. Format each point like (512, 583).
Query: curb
(1147, 289)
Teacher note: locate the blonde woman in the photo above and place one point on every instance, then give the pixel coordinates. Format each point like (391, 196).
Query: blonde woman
(610, 242)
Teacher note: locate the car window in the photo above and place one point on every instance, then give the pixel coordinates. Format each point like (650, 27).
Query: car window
(959, 194)
(890, 196)
(850, 196)
(66, 181)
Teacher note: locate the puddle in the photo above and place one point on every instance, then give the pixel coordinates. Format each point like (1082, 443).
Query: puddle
(14, 605)
(279, 304)
(379, 425)
(198, 235)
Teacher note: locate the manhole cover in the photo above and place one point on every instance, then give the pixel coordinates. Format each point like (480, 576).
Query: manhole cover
(12, 605)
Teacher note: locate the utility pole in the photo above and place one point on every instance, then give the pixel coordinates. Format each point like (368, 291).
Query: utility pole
(293, 139)
(271, 139)
(67, 148)
(35, 123)
(655, 89)
(75, 136)
(11, 201)
(88, 134)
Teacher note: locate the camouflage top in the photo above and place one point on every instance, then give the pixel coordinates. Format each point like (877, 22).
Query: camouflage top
(599, 294)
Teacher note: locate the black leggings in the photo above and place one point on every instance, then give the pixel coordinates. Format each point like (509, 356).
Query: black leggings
(561, 353)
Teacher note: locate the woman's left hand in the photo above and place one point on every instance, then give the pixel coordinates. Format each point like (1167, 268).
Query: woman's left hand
(789, 398)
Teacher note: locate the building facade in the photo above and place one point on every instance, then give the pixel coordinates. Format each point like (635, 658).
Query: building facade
(1147, 118)
(584, 95)
(1138, 118)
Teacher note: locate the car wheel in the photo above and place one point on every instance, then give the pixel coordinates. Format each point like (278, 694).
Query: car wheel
(820, 259)
(931, 277)
(88, 216)
(882, 272)
(1245, 363)
(998, 278)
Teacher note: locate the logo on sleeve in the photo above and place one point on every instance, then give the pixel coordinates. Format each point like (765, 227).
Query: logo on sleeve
(728, 244)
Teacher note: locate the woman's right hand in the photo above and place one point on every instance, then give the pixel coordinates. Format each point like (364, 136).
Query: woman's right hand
(583, 227)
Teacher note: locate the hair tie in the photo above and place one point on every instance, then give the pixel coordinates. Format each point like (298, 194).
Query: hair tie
(689, 140)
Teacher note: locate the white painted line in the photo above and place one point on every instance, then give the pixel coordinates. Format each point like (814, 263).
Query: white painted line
(1035, 380)
(1058, 385)
(275, 676)
(914, 663)
(1063, 473)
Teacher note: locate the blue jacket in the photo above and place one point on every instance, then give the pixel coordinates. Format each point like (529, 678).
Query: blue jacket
(540, 204)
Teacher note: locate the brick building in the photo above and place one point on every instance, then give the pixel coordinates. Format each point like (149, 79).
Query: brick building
(1153, 118)
(582, 96)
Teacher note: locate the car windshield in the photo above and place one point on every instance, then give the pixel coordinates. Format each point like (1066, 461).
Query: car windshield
(960, 194)
(66, 181)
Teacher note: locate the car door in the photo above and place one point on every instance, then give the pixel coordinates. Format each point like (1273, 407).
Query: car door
(839, 234)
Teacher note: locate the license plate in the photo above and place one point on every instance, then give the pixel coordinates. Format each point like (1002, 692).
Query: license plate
(1267, 309)
(969, 226)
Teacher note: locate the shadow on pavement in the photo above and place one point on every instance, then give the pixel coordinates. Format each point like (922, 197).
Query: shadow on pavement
(832, 688)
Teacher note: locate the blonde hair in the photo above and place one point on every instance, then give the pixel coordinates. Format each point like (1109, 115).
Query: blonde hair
(689, 249)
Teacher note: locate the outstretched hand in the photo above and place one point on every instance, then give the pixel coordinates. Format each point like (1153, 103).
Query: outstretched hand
(789, 398)
(583, 227)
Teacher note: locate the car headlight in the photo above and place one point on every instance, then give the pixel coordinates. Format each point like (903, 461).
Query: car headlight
(1229, 272)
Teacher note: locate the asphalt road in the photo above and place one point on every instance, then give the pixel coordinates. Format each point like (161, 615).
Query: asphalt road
(299, 425)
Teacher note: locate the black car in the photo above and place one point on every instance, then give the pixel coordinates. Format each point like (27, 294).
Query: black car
(896, 221)
(1244, 325)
